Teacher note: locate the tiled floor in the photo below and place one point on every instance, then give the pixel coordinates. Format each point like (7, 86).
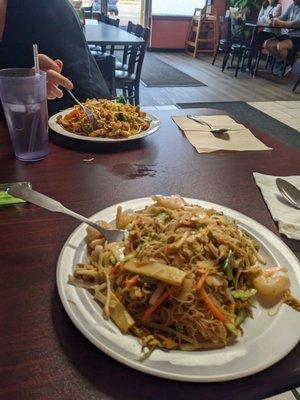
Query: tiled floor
(287, 112)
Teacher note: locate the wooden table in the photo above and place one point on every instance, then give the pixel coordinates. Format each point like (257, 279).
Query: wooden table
(43, 355)
(103, 34)
(256, 26)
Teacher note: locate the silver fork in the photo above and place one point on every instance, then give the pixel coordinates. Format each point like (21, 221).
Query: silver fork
(88, 112)
(22, 191)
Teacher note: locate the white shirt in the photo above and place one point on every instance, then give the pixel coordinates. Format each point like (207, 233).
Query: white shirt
(267, 13)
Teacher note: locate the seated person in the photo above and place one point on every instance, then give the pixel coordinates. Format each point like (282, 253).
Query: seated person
(97, 6)
(270, 9)
(55, 28)
(280, 46)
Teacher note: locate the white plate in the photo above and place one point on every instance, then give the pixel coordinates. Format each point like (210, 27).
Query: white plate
(154, 126)
(266, 338)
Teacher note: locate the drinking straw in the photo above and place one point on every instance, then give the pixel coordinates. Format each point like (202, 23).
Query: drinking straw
(36, 59)
(37, 116)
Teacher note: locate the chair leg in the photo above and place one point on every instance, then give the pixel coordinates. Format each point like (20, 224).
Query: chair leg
(225, 60)
(240, 56)
(244, 60)
(131, 95)
(232, 60)
(269, 59)
(273, 63)
(284, 66)
(215, 56)
(258, 57)
(296, 85)
(137, 94)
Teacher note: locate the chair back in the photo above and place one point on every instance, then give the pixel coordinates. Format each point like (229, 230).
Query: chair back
(113, 22)
(225, 28)
(100, 17)
(88, 12)
(237, 30)
(107, 66)
(136, 30)
(137, 55)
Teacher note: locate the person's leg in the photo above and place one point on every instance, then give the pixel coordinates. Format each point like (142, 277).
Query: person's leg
(283, 48)
(271, 46)
(262, 37)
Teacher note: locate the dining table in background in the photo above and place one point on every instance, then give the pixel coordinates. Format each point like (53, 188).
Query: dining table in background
(255, 27)
(43, 355)
(102, 34)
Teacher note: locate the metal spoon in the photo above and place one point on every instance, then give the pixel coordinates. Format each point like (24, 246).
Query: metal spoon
(217, 131)
(88, 112)
(289, 192)
(22, 191)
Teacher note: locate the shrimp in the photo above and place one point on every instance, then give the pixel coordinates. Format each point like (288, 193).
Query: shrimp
(271, 285)
(173, 202)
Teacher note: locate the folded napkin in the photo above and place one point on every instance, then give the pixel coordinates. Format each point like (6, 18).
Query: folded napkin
(286, 215)
(238, 138)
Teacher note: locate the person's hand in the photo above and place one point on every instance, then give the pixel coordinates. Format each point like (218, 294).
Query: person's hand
(275, 22)
(53, 69)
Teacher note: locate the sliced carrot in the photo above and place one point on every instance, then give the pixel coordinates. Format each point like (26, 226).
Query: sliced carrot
(132, 281)
(166, 294)
(71, 115)
(202, 280)
(216, 311)
(167, 249)
(114, 270)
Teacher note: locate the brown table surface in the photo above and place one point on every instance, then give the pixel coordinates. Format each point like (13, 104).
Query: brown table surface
(43, 355)
(262, 25)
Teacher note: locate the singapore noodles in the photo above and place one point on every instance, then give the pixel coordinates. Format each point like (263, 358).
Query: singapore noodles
(114, 120)
(183, 278)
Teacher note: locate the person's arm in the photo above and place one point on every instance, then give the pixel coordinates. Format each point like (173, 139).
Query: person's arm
(283, 21)
(59, 34)
(276, 12)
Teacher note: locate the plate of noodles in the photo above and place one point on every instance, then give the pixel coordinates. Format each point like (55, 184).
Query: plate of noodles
(116, 122)
(195, 292)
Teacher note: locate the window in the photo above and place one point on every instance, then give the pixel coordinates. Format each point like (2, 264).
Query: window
(176, 7)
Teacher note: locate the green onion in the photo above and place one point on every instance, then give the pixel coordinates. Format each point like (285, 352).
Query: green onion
(228, 264)
(243, 294)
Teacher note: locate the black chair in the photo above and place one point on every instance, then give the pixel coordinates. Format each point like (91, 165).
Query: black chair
(88, 11)
(234, 40)
(113, 21)
(129, 81)
(224, 30)
(136, 30)
(239, 45)
(107, 66)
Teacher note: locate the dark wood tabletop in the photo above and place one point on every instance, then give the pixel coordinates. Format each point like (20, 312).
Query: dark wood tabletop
(42, 354)
(264, 25)
(104, 34)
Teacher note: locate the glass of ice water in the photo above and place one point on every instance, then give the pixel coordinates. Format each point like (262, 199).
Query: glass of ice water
(24, 99)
